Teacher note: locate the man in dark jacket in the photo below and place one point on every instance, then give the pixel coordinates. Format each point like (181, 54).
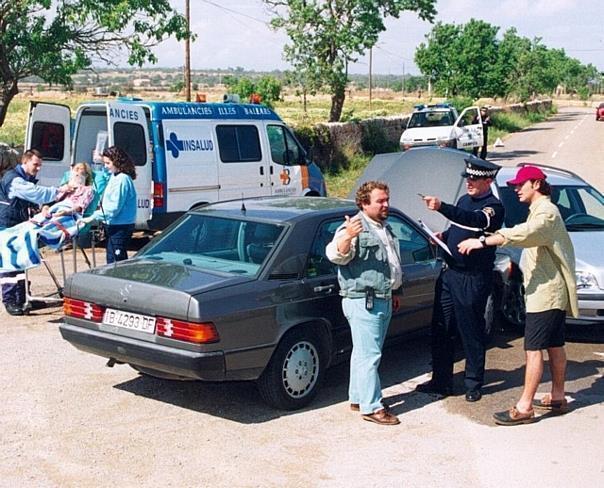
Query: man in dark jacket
(465, 283)
(20, 196)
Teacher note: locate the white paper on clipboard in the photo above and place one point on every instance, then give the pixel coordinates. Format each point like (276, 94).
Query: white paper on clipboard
(434, 238)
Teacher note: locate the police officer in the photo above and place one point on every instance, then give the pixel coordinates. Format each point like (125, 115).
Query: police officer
(465, 282)
(486, 123)
(20, 196)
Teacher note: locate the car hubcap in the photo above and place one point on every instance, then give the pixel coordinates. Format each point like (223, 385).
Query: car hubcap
(300, 369)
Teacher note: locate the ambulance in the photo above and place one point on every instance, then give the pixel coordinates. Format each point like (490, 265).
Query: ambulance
(186, 154)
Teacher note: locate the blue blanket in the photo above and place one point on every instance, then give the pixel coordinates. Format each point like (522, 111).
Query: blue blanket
(19, 245)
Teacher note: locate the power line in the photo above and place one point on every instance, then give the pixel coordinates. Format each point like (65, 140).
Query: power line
(236, 12)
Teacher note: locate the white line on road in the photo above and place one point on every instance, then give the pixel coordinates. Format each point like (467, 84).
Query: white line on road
(567, 136)
(555, 154)
(561, 144)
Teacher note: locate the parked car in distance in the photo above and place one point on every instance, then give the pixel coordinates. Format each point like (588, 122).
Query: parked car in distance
(440, 125)
(239, 290)
(582, 208)
(600, 111)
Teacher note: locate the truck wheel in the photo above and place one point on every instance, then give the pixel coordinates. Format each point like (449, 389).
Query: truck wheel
(294, 373)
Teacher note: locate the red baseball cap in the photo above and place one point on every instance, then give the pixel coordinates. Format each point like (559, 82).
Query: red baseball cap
(527, 173)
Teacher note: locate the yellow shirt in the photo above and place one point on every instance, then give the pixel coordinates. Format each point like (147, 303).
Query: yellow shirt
(548, 259)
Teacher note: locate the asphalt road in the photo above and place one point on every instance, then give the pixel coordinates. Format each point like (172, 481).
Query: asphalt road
(67, 420)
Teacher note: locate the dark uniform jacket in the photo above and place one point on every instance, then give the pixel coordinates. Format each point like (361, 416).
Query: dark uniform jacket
(15, 210)
(481, 215)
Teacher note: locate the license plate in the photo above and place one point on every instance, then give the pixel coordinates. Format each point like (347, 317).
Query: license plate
(128, 320)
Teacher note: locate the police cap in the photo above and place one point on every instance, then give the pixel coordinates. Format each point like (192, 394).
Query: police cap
(479, 168)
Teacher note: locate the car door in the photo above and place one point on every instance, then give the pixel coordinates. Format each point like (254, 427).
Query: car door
(420, 271)
(288, 170)
(128, 129)
(49, 131)
(321, 283)
(242, 165)
(468, 128)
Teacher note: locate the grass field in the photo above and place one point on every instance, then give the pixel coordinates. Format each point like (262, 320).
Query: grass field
(291, 110)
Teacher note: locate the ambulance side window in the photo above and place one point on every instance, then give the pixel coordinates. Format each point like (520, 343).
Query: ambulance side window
(285, 149)
(49, 139)
(131, 138)
(238, 143)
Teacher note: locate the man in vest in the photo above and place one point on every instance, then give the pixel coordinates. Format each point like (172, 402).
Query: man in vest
(370, 275)
(20, 195)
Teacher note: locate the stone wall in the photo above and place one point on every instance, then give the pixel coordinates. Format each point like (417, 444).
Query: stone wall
(337, 138)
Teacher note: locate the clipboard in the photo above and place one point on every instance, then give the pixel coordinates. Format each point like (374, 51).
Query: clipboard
(432, 235)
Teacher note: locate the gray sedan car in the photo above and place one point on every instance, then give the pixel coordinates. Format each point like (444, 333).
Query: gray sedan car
(239, 290)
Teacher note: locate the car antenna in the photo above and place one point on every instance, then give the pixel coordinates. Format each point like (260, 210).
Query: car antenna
(243, 209)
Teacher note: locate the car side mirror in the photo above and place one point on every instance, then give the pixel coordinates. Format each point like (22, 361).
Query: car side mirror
(291, 266)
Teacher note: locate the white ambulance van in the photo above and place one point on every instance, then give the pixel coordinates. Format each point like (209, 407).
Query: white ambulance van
(185, 153)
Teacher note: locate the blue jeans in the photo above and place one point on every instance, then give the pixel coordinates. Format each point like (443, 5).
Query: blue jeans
(368, 329)
(118, 237)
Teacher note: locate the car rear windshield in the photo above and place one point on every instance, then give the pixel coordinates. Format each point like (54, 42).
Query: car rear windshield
(216, 244)
(581, 207)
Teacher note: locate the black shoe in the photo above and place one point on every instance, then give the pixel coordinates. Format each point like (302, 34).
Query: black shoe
(433, 388)
(14, 309)
(473, 395)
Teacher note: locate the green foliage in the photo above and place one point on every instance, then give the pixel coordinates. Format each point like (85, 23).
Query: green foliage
(374, 140)
(470, 60)
(177, 86)
(268, 87)
(326, 36)
(460, 102)
(54, 40)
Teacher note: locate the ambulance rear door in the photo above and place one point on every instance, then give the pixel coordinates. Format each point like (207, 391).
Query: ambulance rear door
(129, 130)
(49, 131)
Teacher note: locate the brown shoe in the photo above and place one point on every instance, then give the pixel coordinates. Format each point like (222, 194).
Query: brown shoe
(382, 417)
(514, 417)
(355, 407)
(556, 407)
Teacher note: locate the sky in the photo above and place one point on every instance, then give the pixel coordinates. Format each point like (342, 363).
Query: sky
(233, 33)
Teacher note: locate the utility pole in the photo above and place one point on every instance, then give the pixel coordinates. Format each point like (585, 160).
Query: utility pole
(370, 83)
(403, 80)
(188, 54)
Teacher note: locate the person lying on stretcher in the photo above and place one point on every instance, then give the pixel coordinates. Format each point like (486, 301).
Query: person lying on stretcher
(74, 203)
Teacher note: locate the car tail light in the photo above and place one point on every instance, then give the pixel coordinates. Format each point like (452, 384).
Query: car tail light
(82, 310)
(197, 332)
(158, 194)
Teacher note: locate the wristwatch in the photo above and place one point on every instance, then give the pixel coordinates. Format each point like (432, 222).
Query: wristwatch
(483, 240)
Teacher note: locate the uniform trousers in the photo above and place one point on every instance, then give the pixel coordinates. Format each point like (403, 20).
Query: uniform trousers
(118, 238)
(459, 308)
(368, 329)
(13, 287)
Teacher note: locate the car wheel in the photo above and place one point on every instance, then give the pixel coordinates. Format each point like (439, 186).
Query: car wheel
(494, 320)
(513, 307)
(294, 373)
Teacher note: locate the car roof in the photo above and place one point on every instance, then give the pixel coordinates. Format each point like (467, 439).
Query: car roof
(279, 209)
(555, 176)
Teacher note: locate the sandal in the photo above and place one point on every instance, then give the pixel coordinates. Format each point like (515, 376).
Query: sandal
(554, 406)
(514, 417)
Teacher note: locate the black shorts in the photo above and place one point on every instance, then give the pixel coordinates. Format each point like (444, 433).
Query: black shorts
(543, 330)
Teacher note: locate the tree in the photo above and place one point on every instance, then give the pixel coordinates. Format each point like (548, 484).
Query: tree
(55, 39)
(461, 59)
(327, 35)
(268, 87)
